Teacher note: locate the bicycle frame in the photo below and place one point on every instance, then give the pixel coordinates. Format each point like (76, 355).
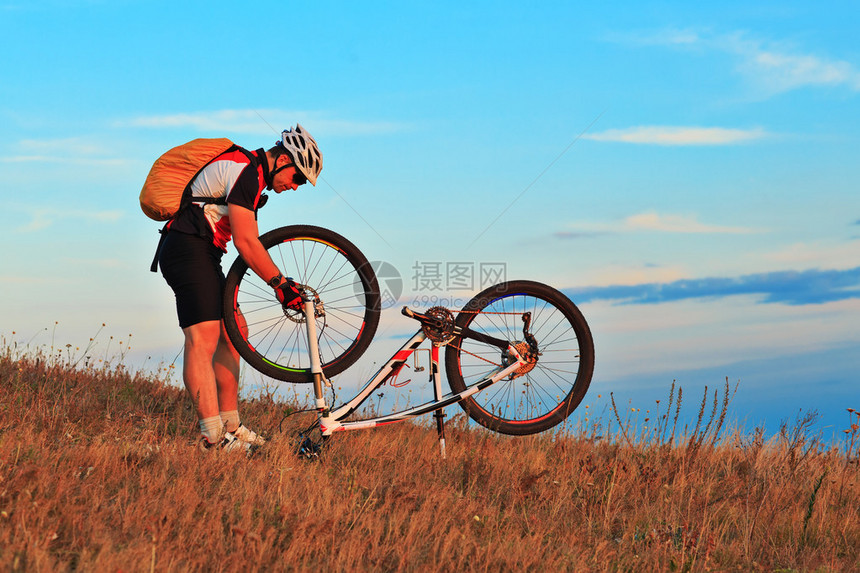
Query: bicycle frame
(333, 420)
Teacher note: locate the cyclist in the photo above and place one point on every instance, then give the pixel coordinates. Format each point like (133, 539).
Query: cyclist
(190, 261)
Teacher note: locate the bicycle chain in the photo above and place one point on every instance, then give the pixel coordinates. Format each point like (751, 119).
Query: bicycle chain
(486, 312)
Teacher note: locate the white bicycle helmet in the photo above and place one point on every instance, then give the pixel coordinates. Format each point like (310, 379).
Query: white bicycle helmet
(304, 151)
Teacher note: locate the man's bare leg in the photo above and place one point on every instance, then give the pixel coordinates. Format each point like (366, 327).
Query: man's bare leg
(201, 343)
(226, 367)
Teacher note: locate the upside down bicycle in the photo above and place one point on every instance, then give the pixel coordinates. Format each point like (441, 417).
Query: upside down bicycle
(519, 356)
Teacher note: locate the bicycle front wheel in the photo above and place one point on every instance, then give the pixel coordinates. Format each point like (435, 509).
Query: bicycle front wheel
(274, 341)
(540, 395)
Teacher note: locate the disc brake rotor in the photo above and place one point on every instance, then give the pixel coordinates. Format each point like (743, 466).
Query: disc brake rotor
(298, 316)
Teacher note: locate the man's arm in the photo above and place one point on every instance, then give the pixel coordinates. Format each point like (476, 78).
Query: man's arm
(243, 225)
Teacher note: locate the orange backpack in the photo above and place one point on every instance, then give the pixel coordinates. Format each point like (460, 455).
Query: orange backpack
(167, 183)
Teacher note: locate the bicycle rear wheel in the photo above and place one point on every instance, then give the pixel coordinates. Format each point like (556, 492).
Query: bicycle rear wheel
(274, 341)
(541, 395)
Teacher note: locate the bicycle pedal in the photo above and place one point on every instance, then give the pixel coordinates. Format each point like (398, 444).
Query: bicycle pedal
(308, 449)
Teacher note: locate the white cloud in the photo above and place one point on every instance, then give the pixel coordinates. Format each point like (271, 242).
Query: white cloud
(79, 146)
(53, 159)
(706, 332)
(676, 224)
(63, 151)
(259, 122)
(774, 67)
(634, 274)
(655, 222)
(828, 254)
(777, 68)
(664, 37)
(679, 135)
(44, 218)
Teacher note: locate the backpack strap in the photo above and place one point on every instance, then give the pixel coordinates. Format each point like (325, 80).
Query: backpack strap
(251, 157)
(163, 231)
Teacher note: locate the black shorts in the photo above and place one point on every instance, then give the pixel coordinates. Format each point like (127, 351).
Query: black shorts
(191, 265)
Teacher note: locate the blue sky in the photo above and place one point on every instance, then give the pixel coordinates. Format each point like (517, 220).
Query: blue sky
(686, 173)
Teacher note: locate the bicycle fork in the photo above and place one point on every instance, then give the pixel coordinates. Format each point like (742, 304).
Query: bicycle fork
(314, 351)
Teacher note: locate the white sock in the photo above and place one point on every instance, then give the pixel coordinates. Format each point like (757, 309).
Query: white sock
(211, 428)
(231, 420)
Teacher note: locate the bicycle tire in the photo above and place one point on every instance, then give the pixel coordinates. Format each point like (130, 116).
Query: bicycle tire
(547, 394)
(273, 341)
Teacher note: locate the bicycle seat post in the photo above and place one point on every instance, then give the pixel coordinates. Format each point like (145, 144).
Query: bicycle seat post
(437, 393)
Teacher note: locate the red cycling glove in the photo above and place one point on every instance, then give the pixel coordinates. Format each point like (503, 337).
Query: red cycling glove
(289, 295)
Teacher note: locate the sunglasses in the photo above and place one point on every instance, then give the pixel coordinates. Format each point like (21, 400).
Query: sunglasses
(298, 176)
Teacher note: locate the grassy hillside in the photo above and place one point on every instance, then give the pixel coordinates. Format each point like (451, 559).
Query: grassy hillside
(97, 473)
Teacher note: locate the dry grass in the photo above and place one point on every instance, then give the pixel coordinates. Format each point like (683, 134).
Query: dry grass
(97, 474)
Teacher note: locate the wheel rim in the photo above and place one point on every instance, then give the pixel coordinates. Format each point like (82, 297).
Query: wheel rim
(342, 288)
(541, 392)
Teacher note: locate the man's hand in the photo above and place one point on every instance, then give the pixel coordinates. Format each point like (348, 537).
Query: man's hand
(289, 295)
